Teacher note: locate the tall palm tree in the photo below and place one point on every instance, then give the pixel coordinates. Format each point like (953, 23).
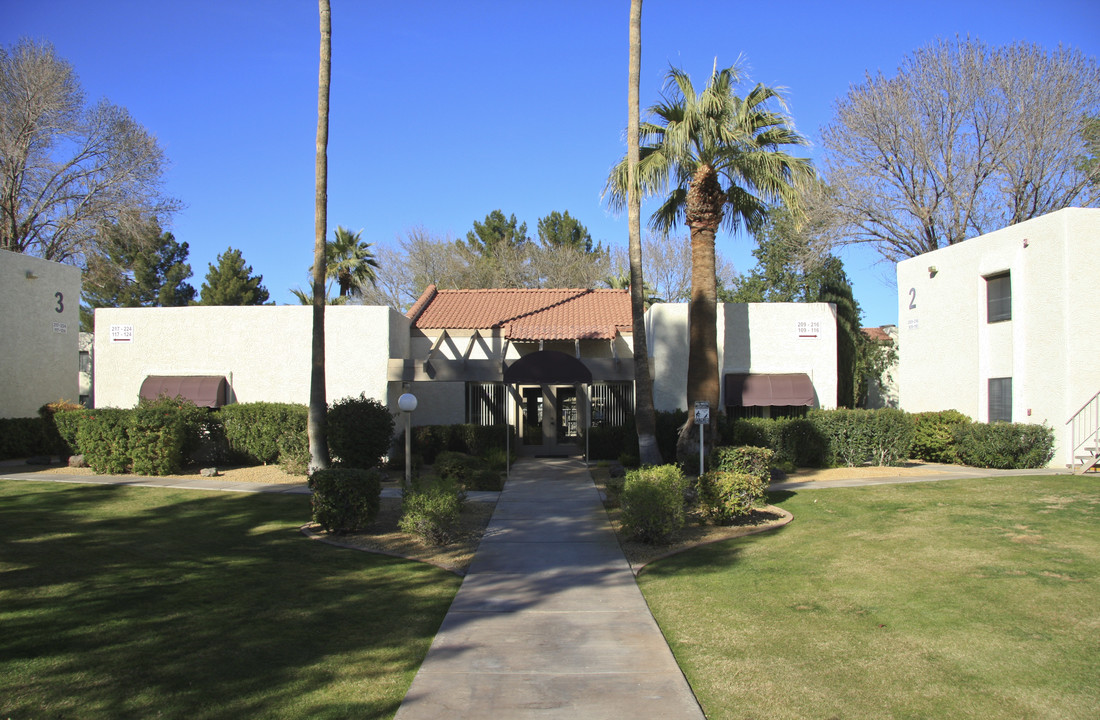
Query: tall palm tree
(645, 418)
(318, 399)
(721, 159)
(350, 261)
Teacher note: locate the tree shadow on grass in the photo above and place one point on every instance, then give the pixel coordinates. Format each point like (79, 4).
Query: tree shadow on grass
(134, 602)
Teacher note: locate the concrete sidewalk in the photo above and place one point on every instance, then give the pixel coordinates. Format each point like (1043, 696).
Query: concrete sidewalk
(549, 622)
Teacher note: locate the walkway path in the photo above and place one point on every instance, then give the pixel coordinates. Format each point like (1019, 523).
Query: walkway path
(549, 622)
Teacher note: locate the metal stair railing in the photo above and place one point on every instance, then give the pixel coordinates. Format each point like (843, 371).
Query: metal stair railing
(1085, 435)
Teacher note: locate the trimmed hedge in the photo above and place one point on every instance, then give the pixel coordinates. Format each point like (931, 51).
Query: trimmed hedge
(55, 443)
(68, 423)
(156, 434)
(471, 472)
(611, 442)
(22, 437)
(430, 440)
(934, 435)
(652, 503)
(360, 431)
(755, 461)
(797, 442)
(103, 438)
(1006, 446)
(254, 430)
(345, 499)
(725, 495)
(858, 437)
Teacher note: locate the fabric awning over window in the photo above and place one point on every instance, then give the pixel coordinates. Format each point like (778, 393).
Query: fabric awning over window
(746, 390)
(203, 390)
(547, 366)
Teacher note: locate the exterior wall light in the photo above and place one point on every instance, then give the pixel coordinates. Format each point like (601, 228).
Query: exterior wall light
(30, 275)
(932, 271)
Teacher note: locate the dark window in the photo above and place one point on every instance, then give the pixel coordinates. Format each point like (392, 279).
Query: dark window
(485, 403)
(998, 295)
(1000, 399)
(612, 404)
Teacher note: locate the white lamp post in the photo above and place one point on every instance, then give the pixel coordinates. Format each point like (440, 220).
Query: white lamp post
(407, 403)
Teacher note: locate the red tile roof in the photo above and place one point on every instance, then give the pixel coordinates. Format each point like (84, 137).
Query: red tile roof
(527, 314)
(877, 334)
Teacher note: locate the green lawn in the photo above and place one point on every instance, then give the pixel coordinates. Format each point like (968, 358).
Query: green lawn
(123, 602)
(953, 599)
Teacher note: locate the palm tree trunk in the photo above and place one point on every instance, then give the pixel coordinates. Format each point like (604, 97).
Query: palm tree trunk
(644, 414)
(704, 216)
(318, 400)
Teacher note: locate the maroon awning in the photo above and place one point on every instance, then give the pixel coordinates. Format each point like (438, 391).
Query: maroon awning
(755, 389)
(203, 390)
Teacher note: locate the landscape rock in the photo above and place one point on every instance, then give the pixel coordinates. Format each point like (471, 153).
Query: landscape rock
(209, 472)
(77, 461)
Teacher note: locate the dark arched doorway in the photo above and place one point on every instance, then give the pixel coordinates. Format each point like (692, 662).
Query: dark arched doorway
(550, 387)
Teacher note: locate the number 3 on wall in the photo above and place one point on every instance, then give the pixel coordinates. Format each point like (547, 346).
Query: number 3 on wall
(60, 302)
(912, 298)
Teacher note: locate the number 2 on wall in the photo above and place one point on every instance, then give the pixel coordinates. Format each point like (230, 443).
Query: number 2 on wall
(60, 302)
(912, 298)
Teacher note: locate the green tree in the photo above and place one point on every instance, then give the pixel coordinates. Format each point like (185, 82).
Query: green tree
(1089, 161)
(562, 230)
(318, 399)
(700, 141)
(496, 233)
(231, 282)
(350, 262)
(142, 267)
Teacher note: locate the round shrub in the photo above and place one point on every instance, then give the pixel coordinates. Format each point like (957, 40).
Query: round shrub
(934, 435)
(345, 499)
(725, 496)
(360, 431)
(432, 514)
(652, 503)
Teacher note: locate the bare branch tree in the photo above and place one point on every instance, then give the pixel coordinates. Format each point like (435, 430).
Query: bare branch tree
(963, 140)
(67, 169)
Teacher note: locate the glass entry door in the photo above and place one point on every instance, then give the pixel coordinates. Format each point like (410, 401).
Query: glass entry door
(532, 416)
(568, 419)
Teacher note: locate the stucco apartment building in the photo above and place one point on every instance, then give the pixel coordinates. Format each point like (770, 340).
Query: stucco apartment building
(39, 327)
(545, 362)
(1003, 326)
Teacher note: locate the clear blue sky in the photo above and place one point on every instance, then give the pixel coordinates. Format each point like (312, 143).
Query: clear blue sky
(443, 111)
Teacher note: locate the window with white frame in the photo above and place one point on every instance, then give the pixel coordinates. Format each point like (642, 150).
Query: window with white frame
(998, 297)
(1000, 399)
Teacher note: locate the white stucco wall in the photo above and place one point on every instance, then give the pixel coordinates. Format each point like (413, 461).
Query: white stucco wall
(752, 338)
(948, 351)
(263, 351)
(39, 330)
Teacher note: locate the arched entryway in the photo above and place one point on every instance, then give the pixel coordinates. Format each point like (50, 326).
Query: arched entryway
(550, 388)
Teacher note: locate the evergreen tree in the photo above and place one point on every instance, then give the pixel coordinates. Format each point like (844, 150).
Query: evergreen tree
(142, 268)
(495, 234)
(562, 230)
(231, 282)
